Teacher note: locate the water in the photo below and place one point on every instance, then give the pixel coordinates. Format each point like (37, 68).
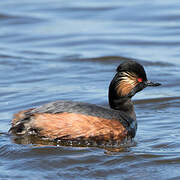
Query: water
(52, 50)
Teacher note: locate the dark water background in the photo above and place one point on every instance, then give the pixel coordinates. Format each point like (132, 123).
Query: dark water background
(65, 49)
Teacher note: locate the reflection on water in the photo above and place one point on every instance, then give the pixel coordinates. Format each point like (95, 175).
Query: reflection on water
(52, 50)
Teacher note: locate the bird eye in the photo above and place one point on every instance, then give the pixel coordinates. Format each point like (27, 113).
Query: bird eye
(139, 79)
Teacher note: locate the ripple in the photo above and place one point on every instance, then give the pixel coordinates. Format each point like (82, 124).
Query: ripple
(52, 50)
(156, 100)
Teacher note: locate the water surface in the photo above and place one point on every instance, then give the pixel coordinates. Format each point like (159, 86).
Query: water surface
(51, 50)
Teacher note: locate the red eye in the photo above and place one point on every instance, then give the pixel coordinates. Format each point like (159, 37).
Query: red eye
(139, 79)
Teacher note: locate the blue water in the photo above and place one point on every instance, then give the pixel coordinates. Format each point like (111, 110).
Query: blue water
(51, 50)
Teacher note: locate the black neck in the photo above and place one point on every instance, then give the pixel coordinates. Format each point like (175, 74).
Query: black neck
(119, 102)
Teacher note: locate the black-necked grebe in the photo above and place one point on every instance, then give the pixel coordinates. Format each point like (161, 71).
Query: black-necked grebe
(73, 121)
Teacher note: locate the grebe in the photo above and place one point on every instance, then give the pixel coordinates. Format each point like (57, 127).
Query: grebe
(77, 121)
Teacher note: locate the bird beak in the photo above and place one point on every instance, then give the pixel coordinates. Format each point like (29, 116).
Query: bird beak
(149, 83)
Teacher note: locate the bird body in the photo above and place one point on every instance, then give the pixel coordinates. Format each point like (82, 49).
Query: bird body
(77, 121)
